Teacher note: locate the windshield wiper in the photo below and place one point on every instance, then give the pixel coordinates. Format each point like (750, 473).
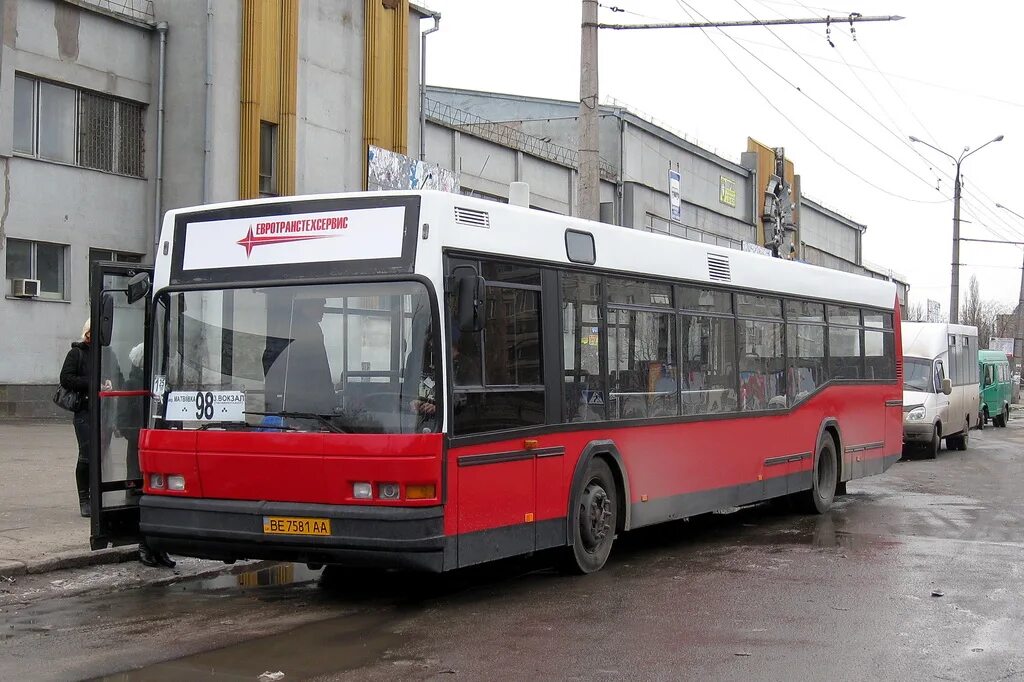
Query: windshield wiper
(304, 415)
(235, 426)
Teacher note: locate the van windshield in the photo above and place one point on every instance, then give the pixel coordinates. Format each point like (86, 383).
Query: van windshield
(350, 358)
(917, 375)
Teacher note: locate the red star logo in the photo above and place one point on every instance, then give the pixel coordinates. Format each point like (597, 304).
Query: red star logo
(251, 241)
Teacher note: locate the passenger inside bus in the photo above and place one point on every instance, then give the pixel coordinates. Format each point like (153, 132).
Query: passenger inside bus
(465, 366)
(298, 375)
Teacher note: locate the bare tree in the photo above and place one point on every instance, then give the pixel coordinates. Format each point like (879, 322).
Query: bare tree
(981, 314)
(915, 312)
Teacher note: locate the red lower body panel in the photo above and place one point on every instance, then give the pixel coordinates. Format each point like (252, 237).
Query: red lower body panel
(502, 497)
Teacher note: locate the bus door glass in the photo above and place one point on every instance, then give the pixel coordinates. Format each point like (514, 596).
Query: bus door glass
(118, 398)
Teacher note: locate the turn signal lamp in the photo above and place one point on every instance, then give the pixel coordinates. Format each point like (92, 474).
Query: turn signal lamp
(362, 491)
(420, 492)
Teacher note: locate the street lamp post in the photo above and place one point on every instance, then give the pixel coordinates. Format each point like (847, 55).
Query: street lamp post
(954, 281)
(1018, 332)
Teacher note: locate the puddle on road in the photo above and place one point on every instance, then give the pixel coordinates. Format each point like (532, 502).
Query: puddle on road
(330, 646)
(268, 576)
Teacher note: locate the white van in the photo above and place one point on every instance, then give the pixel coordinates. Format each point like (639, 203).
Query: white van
(940, 384)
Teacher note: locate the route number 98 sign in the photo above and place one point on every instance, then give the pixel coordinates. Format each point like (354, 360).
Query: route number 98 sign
(205, 406)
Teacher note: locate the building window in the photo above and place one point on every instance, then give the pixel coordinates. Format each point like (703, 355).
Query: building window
(80, 127)
(37, 260)
(113, 256)
(24, 115)
(268, 159)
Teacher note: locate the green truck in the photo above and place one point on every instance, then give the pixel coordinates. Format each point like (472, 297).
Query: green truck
(994, 372)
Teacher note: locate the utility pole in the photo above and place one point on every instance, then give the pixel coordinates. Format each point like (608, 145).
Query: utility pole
(954, 279)
(1018, 335)
(588, 189)
(589, 198)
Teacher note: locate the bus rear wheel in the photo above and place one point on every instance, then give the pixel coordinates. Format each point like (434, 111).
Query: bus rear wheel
(593, 519)
(825, 476)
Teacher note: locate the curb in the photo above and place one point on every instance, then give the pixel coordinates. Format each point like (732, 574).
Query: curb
(64, 560)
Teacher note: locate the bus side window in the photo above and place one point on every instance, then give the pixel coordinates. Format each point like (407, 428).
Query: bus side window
(581, 348)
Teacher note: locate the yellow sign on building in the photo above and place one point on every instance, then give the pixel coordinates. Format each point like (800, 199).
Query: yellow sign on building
(727, 191)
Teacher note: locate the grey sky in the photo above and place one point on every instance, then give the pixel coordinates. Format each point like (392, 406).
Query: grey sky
(952, 79)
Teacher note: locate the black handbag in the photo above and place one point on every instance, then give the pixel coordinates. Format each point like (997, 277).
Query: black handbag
(67, 400)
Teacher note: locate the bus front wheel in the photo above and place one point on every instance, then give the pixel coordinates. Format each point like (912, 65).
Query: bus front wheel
(825, 476)
(593, 519)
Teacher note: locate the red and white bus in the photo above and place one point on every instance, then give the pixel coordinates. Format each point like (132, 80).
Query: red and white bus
(430, 381)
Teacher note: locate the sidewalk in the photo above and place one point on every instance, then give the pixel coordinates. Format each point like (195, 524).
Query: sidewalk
(40, 525)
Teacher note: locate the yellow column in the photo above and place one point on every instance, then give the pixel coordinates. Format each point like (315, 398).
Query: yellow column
(249, 128)
(289, 78)
(386, 76)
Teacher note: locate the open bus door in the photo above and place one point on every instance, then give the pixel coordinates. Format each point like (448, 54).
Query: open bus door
(118, 398)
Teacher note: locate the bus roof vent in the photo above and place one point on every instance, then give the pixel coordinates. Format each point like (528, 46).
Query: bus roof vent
(472, 217)
(718, 268)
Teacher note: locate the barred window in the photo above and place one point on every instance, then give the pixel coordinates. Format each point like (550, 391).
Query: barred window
(110, 134)
(80, 127)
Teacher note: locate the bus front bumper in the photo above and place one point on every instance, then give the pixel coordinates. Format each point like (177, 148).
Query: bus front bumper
(228, 530)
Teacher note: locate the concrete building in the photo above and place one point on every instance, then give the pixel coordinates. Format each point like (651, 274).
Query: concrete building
(494, 139)
(260, 97)
(114, 111)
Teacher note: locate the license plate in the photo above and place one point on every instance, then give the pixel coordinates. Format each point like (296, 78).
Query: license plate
(291, 525)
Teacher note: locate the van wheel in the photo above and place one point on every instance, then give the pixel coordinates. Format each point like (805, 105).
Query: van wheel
(959, 442)
(932, 449)
(1000, 419)
(824, 479)
(593, 520)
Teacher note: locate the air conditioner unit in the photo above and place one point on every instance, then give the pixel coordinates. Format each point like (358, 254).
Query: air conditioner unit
(25, 288)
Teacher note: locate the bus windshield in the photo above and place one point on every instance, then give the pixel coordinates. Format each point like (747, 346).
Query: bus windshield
(350, 358)
(917, 375)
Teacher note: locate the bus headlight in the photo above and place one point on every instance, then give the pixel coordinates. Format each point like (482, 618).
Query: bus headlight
(176, 482)
(156, 481)
(362, 491)
(917, 414)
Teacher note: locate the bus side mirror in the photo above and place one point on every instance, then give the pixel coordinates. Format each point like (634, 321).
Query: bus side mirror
(106, 319)
(471, 300)
(947, 386)
(138, 287)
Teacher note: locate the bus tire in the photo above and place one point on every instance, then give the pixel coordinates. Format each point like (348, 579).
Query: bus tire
(931, 450)
(824, 478)
(592, 519)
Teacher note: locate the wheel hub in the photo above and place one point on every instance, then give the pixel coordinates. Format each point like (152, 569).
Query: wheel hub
(595, 511)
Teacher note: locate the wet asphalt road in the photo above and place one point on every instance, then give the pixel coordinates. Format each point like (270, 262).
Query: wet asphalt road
(758, 594)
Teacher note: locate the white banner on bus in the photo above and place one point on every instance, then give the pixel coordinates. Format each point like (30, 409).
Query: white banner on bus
(205, 406)
(358, 234)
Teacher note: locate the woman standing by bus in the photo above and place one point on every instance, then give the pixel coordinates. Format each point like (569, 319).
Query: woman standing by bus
(74, 376)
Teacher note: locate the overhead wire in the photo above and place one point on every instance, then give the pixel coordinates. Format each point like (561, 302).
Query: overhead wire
(898, 133)
(686, 7)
